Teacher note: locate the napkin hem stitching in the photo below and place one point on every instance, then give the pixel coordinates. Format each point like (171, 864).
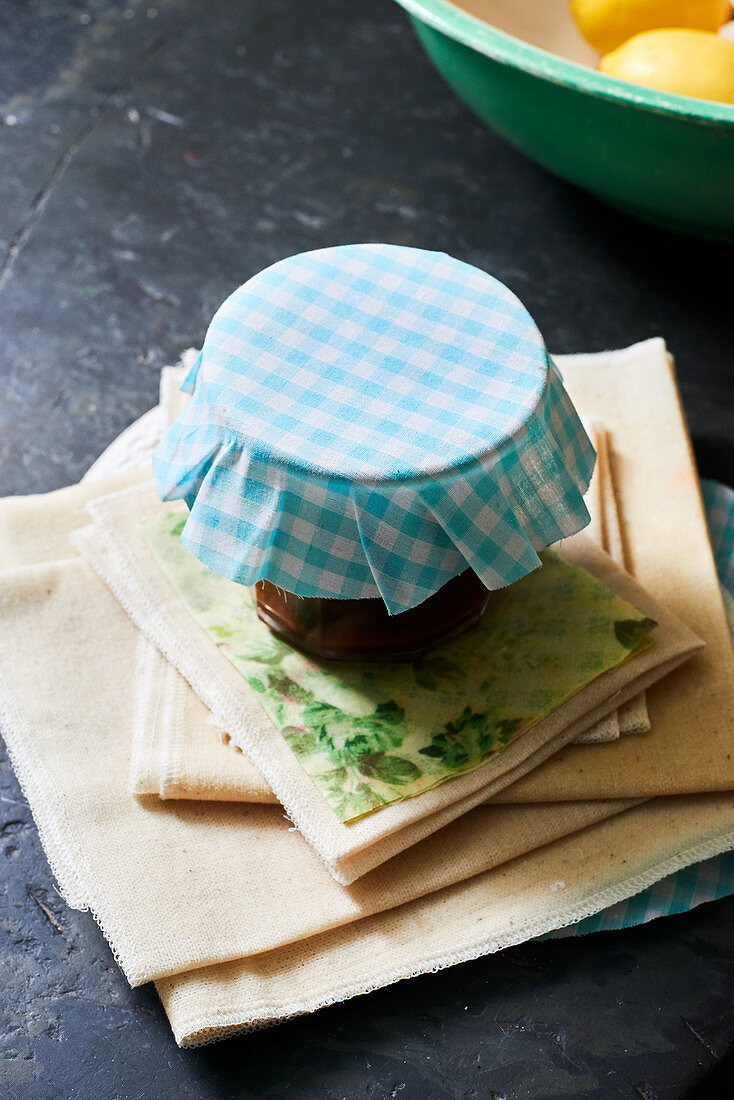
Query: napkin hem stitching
(610, 895)
(57, 836)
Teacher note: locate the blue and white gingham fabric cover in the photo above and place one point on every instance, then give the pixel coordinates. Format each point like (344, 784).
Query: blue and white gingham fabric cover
(370, 420)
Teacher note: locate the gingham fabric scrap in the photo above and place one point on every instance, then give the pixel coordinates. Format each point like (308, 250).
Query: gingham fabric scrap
(678, 893)
(371, 420)
(718, 500)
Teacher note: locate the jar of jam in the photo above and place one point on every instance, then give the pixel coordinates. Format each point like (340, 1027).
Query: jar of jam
(377, 439)
(362, 630)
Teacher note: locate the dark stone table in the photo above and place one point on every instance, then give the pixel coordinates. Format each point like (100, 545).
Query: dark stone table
(154, 155)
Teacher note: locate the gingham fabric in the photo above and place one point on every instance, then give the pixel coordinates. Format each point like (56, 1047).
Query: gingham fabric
(707, 881)
(713, 878)
(718, 500)
(370, 420)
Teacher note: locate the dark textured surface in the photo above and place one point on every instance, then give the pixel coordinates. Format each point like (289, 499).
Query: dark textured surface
(153, 156)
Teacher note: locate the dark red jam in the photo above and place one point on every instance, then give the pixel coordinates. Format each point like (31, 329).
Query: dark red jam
(362, 630)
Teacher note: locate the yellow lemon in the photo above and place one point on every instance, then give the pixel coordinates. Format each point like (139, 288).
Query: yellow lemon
(606, 24)
(695, 63)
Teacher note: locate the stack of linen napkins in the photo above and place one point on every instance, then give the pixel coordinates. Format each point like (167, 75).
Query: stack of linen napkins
(247, 891)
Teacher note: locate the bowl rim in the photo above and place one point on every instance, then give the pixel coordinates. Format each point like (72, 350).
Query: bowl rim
(469, 30)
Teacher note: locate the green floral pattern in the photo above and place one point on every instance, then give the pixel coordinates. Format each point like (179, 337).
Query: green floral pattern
(372, 734)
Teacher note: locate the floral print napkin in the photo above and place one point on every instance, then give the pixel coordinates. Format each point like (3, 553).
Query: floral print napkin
(369, 735)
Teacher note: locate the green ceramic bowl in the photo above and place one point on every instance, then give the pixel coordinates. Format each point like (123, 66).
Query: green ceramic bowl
(524, 70)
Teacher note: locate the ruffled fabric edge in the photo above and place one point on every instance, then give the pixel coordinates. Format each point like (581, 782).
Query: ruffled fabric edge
(250, 520)
(189, 383)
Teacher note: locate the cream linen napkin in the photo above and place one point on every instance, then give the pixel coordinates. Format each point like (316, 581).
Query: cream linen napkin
(176, 751)
(37, 528)
(604, 529)
(632, 717)
(549, 887)
(608, 728)
(115, 548)
(665, 539)
(181, 885)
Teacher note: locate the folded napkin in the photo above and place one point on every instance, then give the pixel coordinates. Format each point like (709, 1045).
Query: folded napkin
(176, 751)
(689, 745)
(712, 878)
(605, 529)
(502, 908)
(559, 884)
(116, 550)
(68, 739)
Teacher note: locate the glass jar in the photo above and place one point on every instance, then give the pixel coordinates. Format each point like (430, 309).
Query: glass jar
(367, 417)
(362, 630)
